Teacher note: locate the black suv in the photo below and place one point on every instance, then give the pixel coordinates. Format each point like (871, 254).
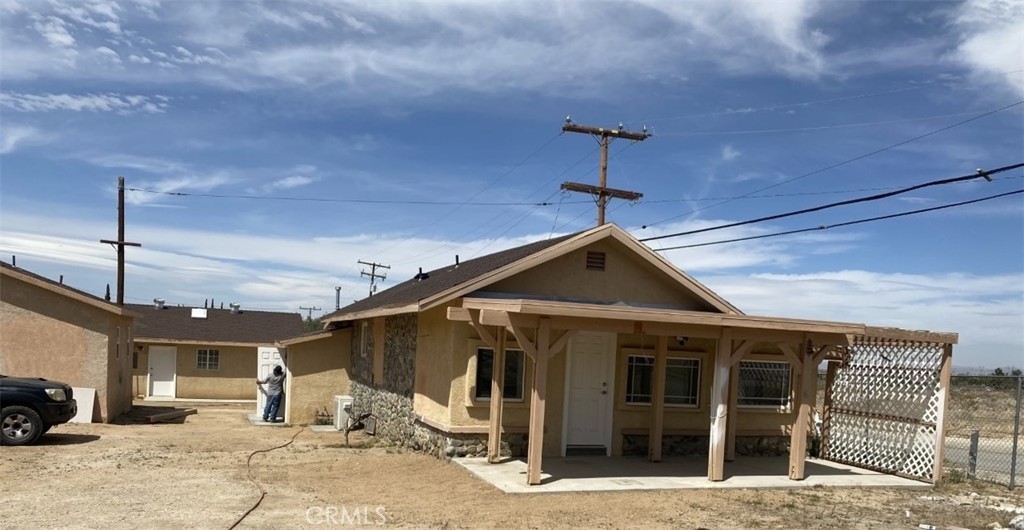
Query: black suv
(31, 407)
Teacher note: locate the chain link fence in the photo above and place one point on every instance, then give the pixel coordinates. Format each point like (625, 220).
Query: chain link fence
(983, 429)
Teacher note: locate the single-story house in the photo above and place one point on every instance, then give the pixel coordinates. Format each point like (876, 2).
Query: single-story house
(598, 345)
(206, 353)
(51, 330)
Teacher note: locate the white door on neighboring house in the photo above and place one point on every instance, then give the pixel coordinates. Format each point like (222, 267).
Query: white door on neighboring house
(162, 370)
(268, 358)
(589, 380)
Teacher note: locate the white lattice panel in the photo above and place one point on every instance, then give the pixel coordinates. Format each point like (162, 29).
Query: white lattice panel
(884, 406)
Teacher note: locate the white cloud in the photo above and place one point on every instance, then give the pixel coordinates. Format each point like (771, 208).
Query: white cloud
(14, 137)
(729, 153)
(286, 183)
(141, 59)
(992, 40)
(55, 31)
(110, 102)
(109, 54)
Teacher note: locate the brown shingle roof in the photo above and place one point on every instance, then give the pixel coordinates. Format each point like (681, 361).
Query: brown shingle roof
(445, 278)
(220, 325)
(60, 287)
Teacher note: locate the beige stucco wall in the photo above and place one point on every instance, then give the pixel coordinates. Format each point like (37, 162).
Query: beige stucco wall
(626, 278)
(235, 379)
(435, 364)
(45, 334)
(317, 371)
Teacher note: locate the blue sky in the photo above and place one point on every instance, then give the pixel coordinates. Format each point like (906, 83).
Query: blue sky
(461, 102)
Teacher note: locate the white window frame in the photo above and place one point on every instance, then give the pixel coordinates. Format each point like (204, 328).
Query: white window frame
(783, 401)
(364, 338)
(475, 395)
(696, 388)
(203, 359)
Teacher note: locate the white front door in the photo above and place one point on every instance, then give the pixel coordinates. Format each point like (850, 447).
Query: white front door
(268, 358)
(162, 370)
(590, 378)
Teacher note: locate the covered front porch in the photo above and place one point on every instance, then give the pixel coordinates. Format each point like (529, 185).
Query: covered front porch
(543, 329)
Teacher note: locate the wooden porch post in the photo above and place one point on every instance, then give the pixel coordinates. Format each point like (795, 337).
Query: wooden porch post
(806, 393)
(497, 387)
(733, 419)
(719, 407)
(826, 410)
(658, 399)
(537, 399)
(940, 420)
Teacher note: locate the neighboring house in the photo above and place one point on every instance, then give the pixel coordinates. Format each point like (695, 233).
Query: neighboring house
(50, 330)
(598, 345)
(200, 353)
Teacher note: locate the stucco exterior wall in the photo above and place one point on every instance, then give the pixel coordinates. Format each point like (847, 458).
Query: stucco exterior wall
(317, 371)
(44, 334)
(626, 278)
(234, 379)
(434, 365)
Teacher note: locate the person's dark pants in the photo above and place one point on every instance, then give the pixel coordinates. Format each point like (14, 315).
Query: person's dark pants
(270, 411)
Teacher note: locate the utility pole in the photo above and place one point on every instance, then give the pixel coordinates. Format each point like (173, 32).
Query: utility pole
(120, 243)
(604, 137)
(372, 275)
(309, 311)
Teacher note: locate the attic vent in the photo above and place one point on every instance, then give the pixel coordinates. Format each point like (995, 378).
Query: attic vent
(595, 260)
(198, 312)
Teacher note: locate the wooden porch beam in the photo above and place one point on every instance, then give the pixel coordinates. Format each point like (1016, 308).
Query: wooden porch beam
(943, 405)
(732, 425)
(740, 351)
(561, 342)
(524, 342)
(538, 397)
(658, 399)
(790, 353)
(820, 353)
(798, 440)
(826, 409)
(719, 408)
(497, 387)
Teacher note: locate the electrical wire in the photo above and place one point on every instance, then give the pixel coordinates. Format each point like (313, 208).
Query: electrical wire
(814, 128)
(876, 197)
(750, 110)
(325, 199)
(847, 223)
(847, 161)
(799, 194)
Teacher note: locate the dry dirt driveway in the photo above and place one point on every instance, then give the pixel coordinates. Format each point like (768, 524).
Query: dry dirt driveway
(193, 474)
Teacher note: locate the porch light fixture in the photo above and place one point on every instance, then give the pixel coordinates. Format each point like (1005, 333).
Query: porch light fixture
(682, 340)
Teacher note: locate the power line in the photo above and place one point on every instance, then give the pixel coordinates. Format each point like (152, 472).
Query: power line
(797, 194)
(815, 128)
(879, 196)
(847, 161)
(477, 194)
(750, 110)
(847, 223)
(325, 199)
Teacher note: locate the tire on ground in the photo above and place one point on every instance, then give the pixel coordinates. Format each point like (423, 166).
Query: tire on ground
(19, 425)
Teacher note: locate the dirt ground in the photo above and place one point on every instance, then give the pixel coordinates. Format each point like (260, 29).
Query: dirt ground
(193, 474)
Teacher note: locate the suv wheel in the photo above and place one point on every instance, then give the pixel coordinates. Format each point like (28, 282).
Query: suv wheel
(19, 425)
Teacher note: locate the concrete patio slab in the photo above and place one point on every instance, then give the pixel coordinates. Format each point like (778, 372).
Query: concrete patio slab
(601, 473)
